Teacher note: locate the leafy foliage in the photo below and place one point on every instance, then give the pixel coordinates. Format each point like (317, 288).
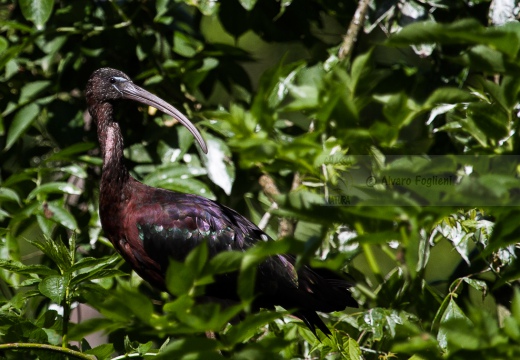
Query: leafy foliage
(431, 90)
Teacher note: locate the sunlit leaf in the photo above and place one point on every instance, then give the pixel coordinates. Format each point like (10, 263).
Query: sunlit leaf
(30, 90)
(56, 250)
(54, 287)
(54, 187)
(7, 194)
(37, 11)
(61, 215)
(21, 122)
(454, 312)
(221, 169)
(352, 349)
(186, 45)
(90, 263)
(20, 268)
(189, 186)
(75, 170)
(248, 4)
(167, 174)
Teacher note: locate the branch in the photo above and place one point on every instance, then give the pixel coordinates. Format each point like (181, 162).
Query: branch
(57, 349)
(353, 29)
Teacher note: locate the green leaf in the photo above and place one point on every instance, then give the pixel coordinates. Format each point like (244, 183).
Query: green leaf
(21, 122)
(482, 58)
(181, 303)
(197, 259)
(55, 250)
(30, 90)
(91, 264)
(144, 348)
(380, 322)
(186, 45)
(3, 44)
(170, 173)
(504, 38)
(89, 326)
(305, 98)
(221, 169)
(189, 186)
(53, 45)
(352, 350)
(138, 153)
(448, 95)
(54, 187)
(161, 6)
(75, 170)
(7, 194)
(54, 287)
(196, 348)
(226, 261)
(490, 119)
(515, 305)
(37, 11)
(62, 215)
(249, 326)
(185, 139)
(399, 109)
(69, 152)
(207, 7)
(479, 285)
(19, 268)
(121, 306)
(457, 334)
(179, 279)
(97, 274)
(248, 4)
(102, 352)
(361, 66)
(512, 328)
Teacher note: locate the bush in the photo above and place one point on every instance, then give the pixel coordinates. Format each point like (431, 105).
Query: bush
(394, 160)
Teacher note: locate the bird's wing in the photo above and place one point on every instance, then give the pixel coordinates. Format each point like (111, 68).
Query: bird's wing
(170, 225)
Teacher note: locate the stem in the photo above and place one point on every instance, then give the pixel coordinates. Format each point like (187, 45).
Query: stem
(66, 300)
(52, 348)
(372, 262)
(369, 255)
(66, 318)
(357, 22)
(126, 356)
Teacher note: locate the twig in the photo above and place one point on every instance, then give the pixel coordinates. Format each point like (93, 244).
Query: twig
(271, 190)
(353, 29)
(57, 349)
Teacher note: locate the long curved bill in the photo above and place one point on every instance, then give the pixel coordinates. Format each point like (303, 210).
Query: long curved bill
(134, 92)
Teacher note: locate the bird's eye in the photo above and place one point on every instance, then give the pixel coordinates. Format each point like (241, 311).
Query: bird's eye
(112, 80)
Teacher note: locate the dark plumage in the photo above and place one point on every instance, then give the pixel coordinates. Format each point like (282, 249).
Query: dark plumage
(148, 225)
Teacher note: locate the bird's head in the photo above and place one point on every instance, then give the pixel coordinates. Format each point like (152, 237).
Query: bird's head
(108, 85)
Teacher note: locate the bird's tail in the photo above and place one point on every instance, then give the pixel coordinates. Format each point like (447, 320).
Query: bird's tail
(313, 321)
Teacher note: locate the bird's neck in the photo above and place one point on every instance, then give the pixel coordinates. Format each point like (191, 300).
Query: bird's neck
(114, 174)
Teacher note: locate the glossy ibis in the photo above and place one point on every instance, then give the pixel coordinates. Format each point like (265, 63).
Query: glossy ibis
(147, 226)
